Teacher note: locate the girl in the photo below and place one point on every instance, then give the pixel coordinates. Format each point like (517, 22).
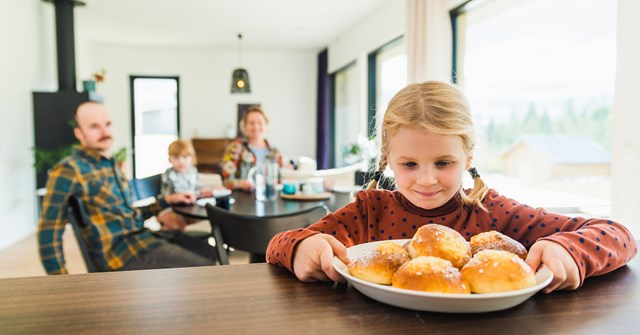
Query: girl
(243, 154)
(427, 140)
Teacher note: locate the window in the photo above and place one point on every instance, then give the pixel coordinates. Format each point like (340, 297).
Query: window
(388, 74)
(155, 122)
(539, 76)
(346, 118)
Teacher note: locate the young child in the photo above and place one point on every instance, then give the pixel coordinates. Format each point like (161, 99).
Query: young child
(427, 140)
(182, 176)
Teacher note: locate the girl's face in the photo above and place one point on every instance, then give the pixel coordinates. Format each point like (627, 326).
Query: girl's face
(428, 167)
(255, 126)
(181, 163)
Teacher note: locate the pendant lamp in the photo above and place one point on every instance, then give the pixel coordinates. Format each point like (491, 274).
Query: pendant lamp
(240, 78)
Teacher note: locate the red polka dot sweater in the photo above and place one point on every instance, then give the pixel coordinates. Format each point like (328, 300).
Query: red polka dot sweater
(598, 246)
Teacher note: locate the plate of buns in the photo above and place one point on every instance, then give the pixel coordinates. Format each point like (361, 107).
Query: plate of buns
(438, 270)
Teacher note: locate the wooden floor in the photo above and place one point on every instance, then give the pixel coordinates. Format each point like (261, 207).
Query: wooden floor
(21, 259)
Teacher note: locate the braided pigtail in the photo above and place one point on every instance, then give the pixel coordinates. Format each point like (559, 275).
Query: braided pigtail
(477, 193)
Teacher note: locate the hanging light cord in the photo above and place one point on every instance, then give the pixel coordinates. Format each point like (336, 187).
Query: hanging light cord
(240, 48)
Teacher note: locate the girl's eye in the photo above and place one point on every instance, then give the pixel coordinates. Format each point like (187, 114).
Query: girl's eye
(409, 164)
(443, 163)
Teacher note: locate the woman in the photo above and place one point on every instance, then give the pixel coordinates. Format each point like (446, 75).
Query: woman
(243, 154)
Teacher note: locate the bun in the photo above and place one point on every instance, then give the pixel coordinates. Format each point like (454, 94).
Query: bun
(493, 240)
(440, 241)
(380, 266)
(429, 274)
(491, 271)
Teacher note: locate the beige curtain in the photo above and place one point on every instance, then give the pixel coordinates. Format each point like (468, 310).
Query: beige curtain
(428, 39)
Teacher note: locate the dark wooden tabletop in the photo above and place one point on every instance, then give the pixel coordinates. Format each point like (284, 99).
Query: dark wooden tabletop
(245, 203)
(263, 299)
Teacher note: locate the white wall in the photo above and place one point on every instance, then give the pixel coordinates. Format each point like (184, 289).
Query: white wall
(283, 82)
(27, 64)
(626, 119)
(376, 29)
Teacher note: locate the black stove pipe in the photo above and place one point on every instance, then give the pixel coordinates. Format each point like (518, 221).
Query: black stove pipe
(65, 45)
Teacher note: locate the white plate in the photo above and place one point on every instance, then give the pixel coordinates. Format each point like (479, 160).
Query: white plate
(204, 201)
(437, 302)
(218, 193)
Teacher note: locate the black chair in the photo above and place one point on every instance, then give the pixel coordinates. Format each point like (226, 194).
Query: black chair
(77, 218)
(364, 177)
(252, 233)
(145, 187)
(150, 187)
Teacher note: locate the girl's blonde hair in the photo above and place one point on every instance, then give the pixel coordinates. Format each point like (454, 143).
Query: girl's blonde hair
(182, 148)
(436, 108)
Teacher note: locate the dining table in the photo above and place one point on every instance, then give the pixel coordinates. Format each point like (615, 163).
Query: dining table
(265, 299)
(245, 203)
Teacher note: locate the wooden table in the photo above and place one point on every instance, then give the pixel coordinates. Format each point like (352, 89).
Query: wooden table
(245, 203)
(263, 299)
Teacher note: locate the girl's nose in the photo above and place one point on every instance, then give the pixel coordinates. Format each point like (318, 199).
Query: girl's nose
(427, 177)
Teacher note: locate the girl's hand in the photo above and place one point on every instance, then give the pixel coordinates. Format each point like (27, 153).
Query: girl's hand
(556, 258)
(313, 258)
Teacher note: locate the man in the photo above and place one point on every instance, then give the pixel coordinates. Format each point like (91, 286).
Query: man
(117, 240)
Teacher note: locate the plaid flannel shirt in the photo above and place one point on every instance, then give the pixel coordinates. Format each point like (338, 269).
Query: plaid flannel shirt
(115, 233)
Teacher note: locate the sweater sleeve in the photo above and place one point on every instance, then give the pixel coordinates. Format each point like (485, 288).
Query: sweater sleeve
(347, 225)
(598, 246)
(231, 164)
(166, 186)
(61, 184)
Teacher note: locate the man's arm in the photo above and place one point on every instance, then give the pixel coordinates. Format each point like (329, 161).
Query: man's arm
(60, 186)
(164, 201)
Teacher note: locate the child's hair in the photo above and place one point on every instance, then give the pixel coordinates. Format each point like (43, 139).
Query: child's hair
(252, 109)
(437, 108)
(182, 148)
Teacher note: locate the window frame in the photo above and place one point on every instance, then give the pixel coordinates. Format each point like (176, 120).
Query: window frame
(132, 111)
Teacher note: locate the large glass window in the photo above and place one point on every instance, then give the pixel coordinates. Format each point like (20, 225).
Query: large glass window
(390, 75)
(346, 116)
(539, 76)
(155, 122)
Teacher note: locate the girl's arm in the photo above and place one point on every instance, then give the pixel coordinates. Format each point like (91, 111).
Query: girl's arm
(596, 246)
(308, 252)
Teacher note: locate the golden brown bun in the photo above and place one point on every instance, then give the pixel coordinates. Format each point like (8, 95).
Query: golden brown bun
(491, 271)
(494, 240)
(442, 242)
(379, 266)
(429, 274)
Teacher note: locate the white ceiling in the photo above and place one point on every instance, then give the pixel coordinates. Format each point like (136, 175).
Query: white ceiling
(265, 24)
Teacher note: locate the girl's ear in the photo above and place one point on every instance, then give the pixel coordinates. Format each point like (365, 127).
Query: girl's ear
(468, 165)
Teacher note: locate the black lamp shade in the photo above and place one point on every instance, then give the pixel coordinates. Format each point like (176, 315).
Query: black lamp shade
(240, 81)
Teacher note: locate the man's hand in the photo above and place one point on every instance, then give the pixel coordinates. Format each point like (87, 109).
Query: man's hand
(171, 221)
(180, 198)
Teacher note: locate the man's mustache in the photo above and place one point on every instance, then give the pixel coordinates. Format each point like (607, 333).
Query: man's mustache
(104, 138)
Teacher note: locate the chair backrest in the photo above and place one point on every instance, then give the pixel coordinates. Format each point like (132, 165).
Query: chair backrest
(146, 187)
(77, 218)
(364, 177)
(252, 233)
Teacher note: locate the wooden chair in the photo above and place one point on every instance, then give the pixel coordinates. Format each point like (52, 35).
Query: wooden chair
(252, 233)
(77, 218)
